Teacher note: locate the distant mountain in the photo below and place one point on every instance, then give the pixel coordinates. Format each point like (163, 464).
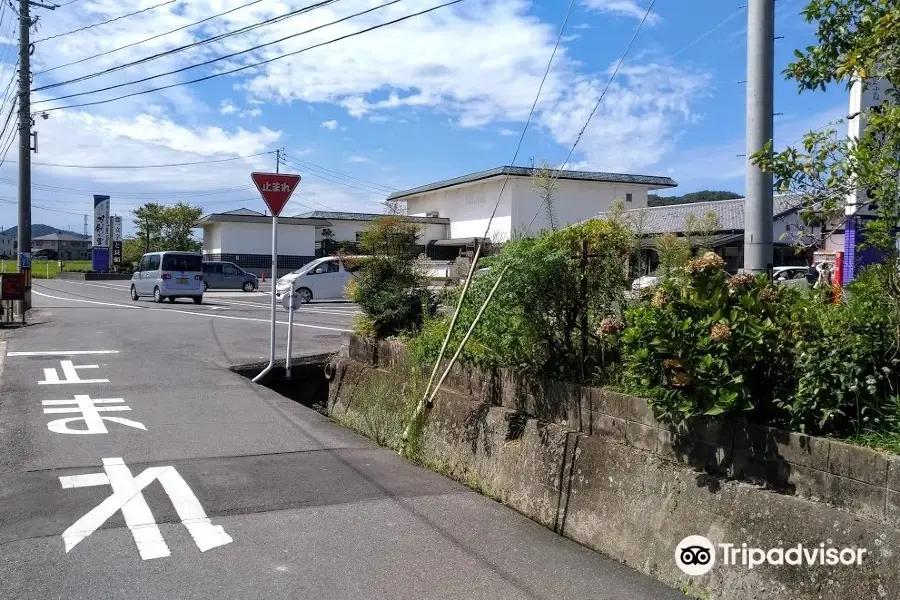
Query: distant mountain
(39, 229)
(702, 196)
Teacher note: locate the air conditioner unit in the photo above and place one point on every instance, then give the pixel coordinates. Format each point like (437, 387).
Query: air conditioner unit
(433, 214)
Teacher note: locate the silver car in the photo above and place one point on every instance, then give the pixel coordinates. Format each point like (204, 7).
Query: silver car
(169, 275)
(220, 275)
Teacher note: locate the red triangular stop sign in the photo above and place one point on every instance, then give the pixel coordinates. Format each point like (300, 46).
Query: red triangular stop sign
(275, 189)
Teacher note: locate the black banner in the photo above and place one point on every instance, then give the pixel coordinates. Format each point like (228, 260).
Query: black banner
(117, 253)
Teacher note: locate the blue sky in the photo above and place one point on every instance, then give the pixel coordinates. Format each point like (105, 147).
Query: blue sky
(433, 97)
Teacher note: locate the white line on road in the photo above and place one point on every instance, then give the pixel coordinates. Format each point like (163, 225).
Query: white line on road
(62, 352)
(187, 312)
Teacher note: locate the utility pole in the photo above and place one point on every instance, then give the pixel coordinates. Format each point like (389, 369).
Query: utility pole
(278, 160)
(758, 211)
(25, 148)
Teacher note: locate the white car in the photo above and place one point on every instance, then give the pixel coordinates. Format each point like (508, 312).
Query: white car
(322, 279)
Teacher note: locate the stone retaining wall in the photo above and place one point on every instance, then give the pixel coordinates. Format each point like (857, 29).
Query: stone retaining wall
(595, 466)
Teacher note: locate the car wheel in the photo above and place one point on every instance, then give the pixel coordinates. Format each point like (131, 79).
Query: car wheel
(157, 296)
(304, 295)
(134, 295)
(249, 286)
(205, 286)
(172, 299)
(198, 299)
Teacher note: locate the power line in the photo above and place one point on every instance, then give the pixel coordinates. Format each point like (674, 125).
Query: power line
(338, 181)
(204, 63)
(339, 173)
(594, 110)
(151, 38)
(258, 64)
(171, 51)
(137, 12)
(184, 164)
(12, 131)
(708, 32)
(340, 178)
(134, 195)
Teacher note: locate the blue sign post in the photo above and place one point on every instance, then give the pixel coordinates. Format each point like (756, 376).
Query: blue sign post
(100, 250)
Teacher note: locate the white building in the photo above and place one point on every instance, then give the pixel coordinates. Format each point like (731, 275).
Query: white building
(244, 237)
(8, 244)
(468, 201)
(348, 226)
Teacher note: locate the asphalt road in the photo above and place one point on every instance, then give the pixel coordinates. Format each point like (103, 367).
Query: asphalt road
(208, 486)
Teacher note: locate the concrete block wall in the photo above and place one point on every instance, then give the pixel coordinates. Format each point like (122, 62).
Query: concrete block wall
(858, 480)
(595, 466)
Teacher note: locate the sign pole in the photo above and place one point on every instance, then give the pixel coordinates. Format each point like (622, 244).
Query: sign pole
(287, 359)
(274, 280)
(276, 190)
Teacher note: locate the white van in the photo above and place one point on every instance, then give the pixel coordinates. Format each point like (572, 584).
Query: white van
(169, 275)
(322, 279)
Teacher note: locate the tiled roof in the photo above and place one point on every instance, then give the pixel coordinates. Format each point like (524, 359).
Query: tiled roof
(650, 180)
(671, 219)
(61, 237)
(244, 212)
(349, 216)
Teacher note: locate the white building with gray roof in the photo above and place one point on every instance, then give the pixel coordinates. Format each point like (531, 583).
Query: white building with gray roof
(468, 201)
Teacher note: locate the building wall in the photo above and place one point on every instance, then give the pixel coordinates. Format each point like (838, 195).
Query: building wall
(256, 238)
(573, 201)
(469, 208)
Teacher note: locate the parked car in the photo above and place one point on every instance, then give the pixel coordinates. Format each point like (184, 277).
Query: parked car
(322, 279)
(169, 275)
(795, 276)
(221, 275)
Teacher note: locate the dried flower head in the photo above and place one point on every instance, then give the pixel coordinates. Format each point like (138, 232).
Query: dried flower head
(710, 261)
(741, 280)
(769, 294)
(611, 326)
(646, 293)
(660, 299)
(720, 333)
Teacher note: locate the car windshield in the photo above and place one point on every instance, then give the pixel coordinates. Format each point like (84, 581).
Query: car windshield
(182, 262)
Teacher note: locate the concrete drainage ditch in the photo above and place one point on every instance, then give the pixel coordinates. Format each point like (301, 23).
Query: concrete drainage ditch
(308, 384)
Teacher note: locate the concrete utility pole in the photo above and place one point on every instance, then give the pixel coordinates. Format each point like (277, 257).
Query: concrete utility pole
(25, 124)
(278, 160)
(24, 259)
(758, 210)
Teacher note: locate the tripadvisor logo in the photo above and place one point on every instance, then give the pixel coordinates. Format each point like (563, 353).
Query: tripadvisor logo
(696, 555)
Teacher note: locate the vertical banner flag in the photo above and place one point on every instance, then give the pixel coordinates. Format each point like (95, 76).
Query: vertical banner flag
(100, 251)
(117, 240)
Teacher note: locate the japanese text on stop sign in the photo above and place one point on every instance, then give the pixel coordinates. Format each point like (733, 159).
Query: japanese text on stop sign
(275, 187)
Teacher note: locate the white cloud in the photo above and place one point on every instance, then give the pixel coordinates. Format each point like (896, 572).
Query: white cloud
(358, 159)
(622, 8)
(411, 71)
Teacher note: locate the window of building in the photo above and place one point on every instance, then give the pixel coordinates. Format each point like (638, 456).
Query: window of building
(629, 197)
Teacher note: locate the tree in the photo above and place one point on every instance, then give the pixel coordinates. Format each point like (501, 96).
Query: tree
(545, 182)
(327, 234)
(674, 253)
(390, 235)
(149, 224)
(162, 227)
(858, 44)
(701, 230)
(701, 196)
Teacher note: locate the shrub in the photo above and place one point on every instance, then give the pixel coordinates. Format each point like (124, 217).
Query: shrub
(392, 295)
(534, 322)
(708, 345)
(846, 361)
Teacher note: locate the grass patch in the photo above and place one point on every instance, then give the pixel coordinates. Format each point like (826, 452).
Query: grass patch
(45, 269)
(883, 441)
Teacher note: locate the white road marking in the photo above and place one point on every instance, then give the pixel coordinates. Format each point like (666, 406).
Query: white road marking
(186, 312)
(261, 306)
(90, 414)
(70, 371)
(128, 497)
(62, 352)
